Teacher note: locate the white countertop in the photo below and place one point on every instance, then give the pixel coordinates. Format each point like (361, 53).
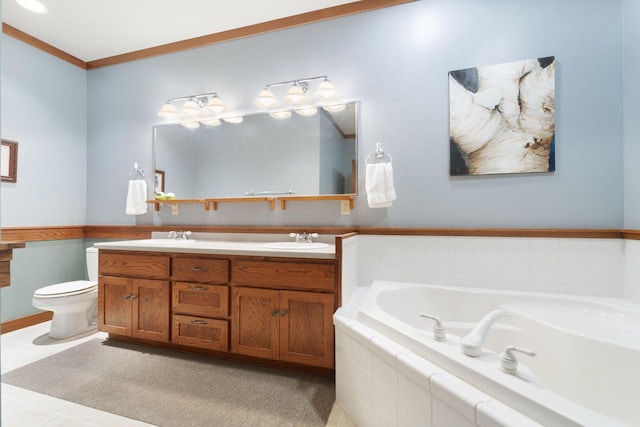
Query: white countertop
(221, 247)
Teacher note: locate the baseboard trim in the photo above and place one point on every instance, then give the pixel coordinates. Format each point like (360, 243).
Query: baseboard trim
(24, 322)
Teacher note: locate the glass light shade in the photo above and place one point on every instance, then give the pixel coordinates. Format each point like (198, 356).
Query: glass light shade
(234, 120)
(190, 108)
(169, 111)
(282, 114)
(295, 95)
(190, 125)
(334, 108)
(266, 99)
(33, 6)
(211, 122)
(306, 111)
(326, 90)
(216, 106)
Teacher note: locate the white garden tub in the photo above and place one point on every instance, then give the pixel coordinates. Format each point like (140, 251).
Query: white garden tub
(587, 369)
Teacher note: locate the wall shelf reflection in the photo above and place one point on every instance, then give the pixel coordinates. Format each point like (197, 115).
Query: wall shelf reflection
(212, 203)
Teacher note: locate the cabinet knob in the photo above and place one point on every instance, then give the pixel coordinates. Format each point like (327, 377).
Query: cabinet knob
(127, 296)
(274, 311)
(283, 313)
(133, 296)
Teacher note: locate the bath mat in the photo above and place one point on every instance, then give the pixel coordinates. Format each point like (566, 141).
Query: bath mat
(170, 388)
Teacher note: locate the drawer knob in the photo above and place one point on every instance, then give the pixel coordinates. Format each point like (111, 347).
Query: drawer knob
(200, 269)
(274, 311)
(283, 313)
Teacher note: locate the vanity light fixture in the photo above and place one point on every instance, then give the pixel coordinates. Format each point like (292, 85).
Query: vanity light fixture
(211, 122)
(297, 93)
(33, 6)
(194, 107)
(190, 125)
(335, 108)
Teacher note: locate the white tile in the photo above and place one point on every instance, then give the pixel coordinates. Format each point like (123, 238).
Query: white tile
(606, 251)
(487, 272)
(487, 247)
(457, 394)
(545, 273)
(574, 250)
(385, 374)
(436, 270)
(445, 416)
(495, 414)
(461, 269)
(573, 274)
(461, 247)
(606, 276)
(515, 273)
(515, 248)
(414, 407)
(385, 404)
(544, 249)
(436, 246)
(632, 252)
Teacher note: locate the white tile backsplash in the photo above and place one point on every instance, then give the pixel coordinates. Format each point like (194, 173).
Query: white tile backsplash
(597, 267)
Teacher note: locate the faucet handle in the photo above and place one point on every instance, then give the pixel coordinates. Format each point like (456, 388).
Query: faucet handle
(439, 331)
(508, 361)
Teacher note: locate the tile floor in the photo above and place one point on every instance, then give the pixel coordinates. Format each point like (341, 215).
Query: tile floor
(24, 408)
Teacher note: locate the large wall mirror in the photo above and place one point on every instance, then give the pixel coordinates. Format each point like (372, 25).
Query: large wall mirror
(301, 155)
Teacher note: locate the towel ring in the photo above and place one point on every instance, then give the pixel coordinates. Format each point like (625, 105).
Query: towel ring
(378, 156)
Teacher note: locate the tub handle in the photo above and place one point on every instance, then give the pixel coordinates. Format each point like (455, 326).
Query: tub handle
(439, 331)
(508, 360)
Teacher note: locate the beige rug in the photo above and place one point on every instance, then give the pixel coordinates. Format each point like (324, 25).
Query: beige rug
(169, 388)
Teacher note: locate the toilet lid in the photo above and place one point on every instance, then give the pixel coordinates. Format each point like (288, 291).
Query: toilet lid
(67, 289)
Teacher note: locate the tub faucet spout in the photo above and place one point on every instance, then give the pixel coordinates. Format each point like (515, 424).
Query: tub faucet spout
(472, 343)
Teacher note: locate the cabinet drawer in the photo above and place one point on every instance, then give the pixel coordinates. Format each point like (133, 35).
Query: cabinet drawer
(201, 332)
(284, 274)
(133, 265)
(200, 299)
(201, 270)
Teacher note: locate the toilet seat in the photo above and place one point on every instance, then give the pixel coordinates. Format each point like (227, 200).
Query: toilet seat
(66, 289)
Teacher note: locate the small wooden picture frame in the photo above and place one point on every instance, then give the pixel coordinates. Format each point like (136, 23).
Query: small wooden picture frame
(158, 183)
(9, 161)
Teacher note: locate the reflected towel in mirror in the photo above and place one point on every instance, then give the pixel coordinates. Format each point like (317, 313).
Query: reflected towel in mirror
(379, 185)
(137, 197)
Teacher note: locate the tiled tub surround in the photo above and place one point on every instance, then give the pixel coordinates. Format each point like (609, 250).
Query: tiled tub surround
(381, 382)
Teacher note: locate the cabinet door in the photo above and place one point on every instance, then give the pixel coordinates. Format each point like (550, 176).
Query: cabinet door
(255, 322)
(151, 309)
(114, 306)
(306, 328)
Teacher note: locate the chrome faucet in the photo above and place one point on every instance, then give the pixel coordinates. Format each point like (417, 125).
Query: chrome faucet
(304, 237)
(184, 235)
(472, 343)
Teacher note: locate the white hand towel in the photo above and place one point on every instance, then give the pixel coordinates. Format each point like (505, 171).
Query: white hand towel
(379, 185)
(137, 197)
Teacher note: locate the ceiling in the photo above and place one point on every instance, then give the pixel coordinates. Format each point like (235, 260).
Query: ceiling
(92, 29)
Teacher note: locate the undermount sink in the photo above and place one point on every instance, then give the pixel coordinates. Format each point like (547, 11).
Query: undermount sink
(295, 245)
(164, 242)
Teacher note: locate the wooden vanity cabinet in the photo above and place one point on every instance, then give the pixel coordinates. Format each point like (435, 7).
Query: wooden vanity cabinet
(278, 316)
(200, 302)
(132, 299)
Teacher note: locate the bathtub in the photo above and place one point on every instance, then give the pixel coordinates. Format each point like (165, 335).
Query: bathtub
(586, 372)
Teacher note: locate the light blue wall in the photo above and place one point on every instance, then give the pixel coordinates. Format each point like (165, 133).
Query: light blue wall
(44, 109)
(631, 109)
(395, 61)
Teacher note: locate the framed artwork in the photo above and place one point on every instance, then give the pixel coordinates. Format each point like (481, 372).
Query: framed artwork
(9, 161)
(158, 182)
(502, 118)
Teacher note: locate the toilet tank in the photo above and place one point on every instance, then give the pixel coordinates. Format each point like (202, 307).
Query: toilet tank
(92, 264)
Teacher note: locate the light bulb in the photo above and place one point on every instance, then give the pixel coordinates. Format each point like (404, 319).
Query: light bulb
(190, 125)
(216, 106)
(335, 108)
(295, 95)
(266, 99)
(234, 120)
(190, 108)
(306, 111)
(169, 111)
(33, 6)
(282, 114)
(211, 122)
(326, 90)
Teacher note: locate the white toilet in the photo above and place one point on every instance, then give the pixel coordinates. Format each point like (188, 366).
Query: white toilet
(74, 304)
